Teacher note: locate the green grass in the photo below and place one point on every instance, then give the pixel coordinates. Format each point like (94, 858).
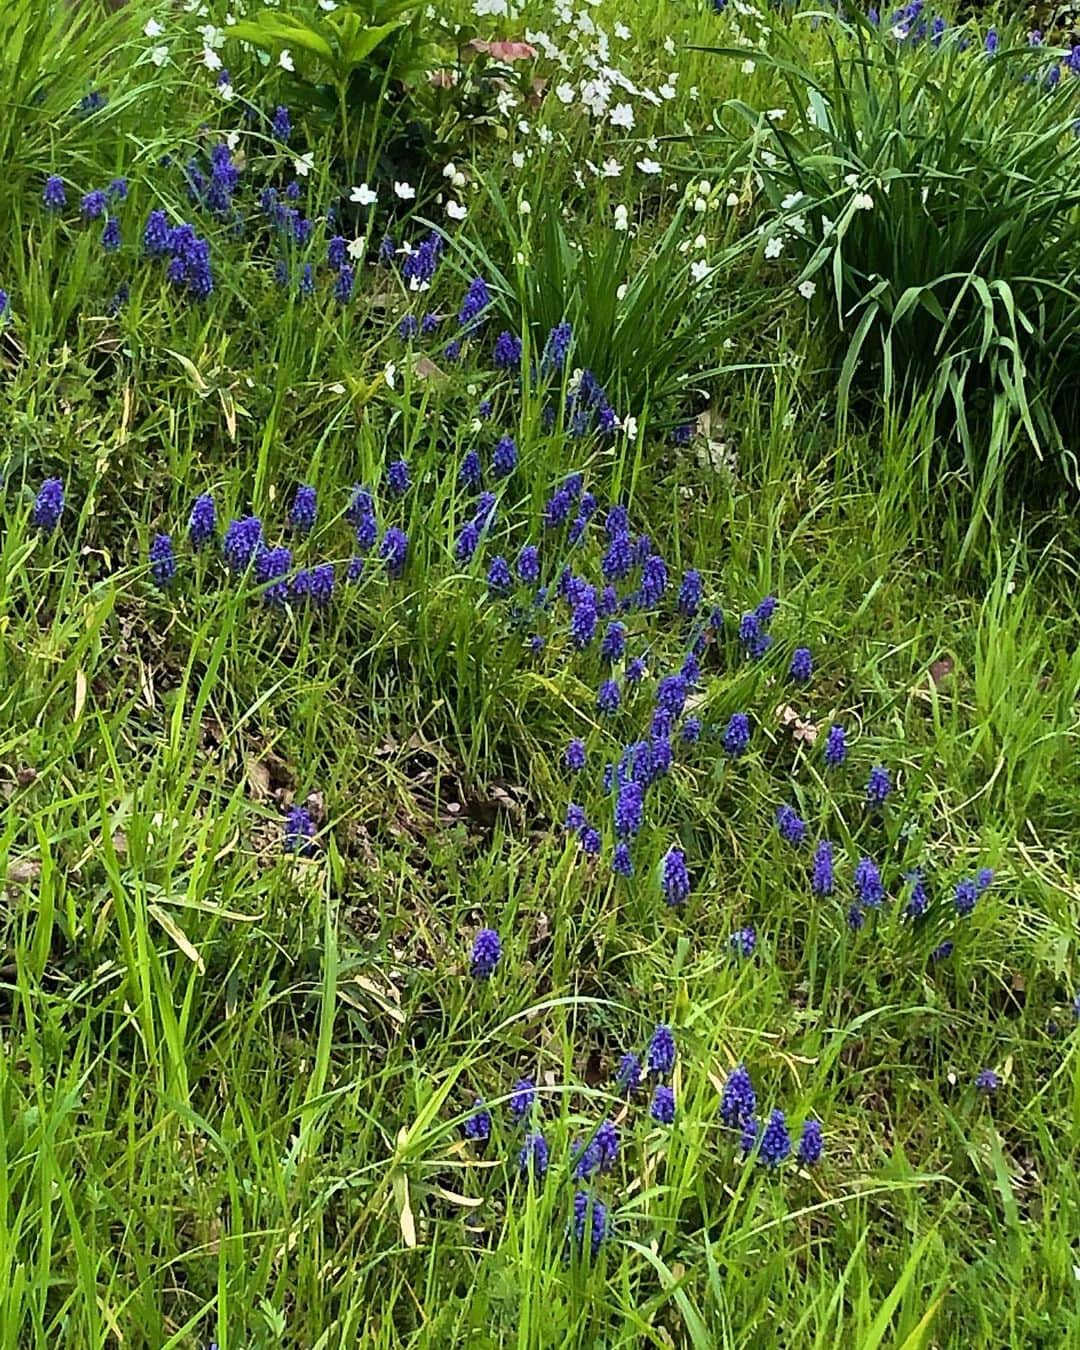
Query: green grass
(232, 1080)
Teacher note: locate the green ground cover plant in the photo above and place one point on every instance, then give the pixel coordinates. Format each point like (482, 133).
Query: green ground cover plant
(537, 742)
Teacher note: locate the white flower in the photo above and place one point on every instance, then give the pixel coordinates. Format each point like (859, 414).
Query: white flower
(622, 217)
(518, 159)
(629, 425)
(792, 199)
(622, 115)
(356, 249)
(523, 126)
(364, 195)
(851, 179)
(620, 293)
(405, 191)
(732, 199)
(303, 165)
(153, 28)
(768, 159)
(210, 59)
(797, 224)
(232, 140)
(449, 170)
(505, 102)
(213, 37)
(748, 67)
(807, 289)
(862, 201)
(667, 91)
(565, 93)
(776, 114)
(544, 135)
(774, 247)
(390, 374)
(456, 211)
(499, 9)
(622, 32)
(669, 46)
(328, 5)
(611, 168)
(285, 60)
(227, 92)
(159, 55)
(699, 270)
(595, 95)
(648, 166)
(700, 241)
(525, 207)
(700, 204)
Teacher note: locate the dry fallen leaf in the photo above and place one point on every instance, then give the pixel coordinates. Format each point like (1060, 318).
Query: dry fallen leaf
(23, 870)
(258, 776)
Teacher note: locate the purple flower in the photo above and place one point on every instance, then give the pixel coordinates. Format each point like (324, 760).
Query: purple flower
(533, 1158)
(775, 1143)
(575, 756)
(499, 579)
(522, 1099)
(575, 818)
(337, 252)
(792, 828)
(629, 810)
(608, 698)
(941, 952)
(49, 505)
(321, 587)
(243, 540)
(811, 1143)
(622, 862)
(661, 1053)
(557, 347)
(628, 1075)
(690, 593)
(691, 730)
(737, 735)
(506, 352)
(477, 298)
(343, 286)
(662, 1109)
(868, 884)
(299, 830)
(280, 124)
(272, 566)
(93, 204)
(394, 550)
(738, 1101)
(618, 560)
(674, 878)
(835, 746)
(986, 1080)
(367, 532)
(397, 477)
(504, 458)
(589, 1213)
(635, 671)
(528, 564)
(477, 1127)
(361, 504)
(823, 880)
(54, 196)
(753, 637)
(471, 472)
(303, 509)
(591, 843)
(486, 951)
(654, 579)
(802, 665)
(878, 786)
(743, 942)
(967, 893)
(202, 521)
(162, 561)
(613, 644)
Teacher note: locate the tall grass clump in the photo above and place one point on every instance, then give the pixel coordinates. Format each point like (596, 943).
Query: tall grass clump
(930, 190)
